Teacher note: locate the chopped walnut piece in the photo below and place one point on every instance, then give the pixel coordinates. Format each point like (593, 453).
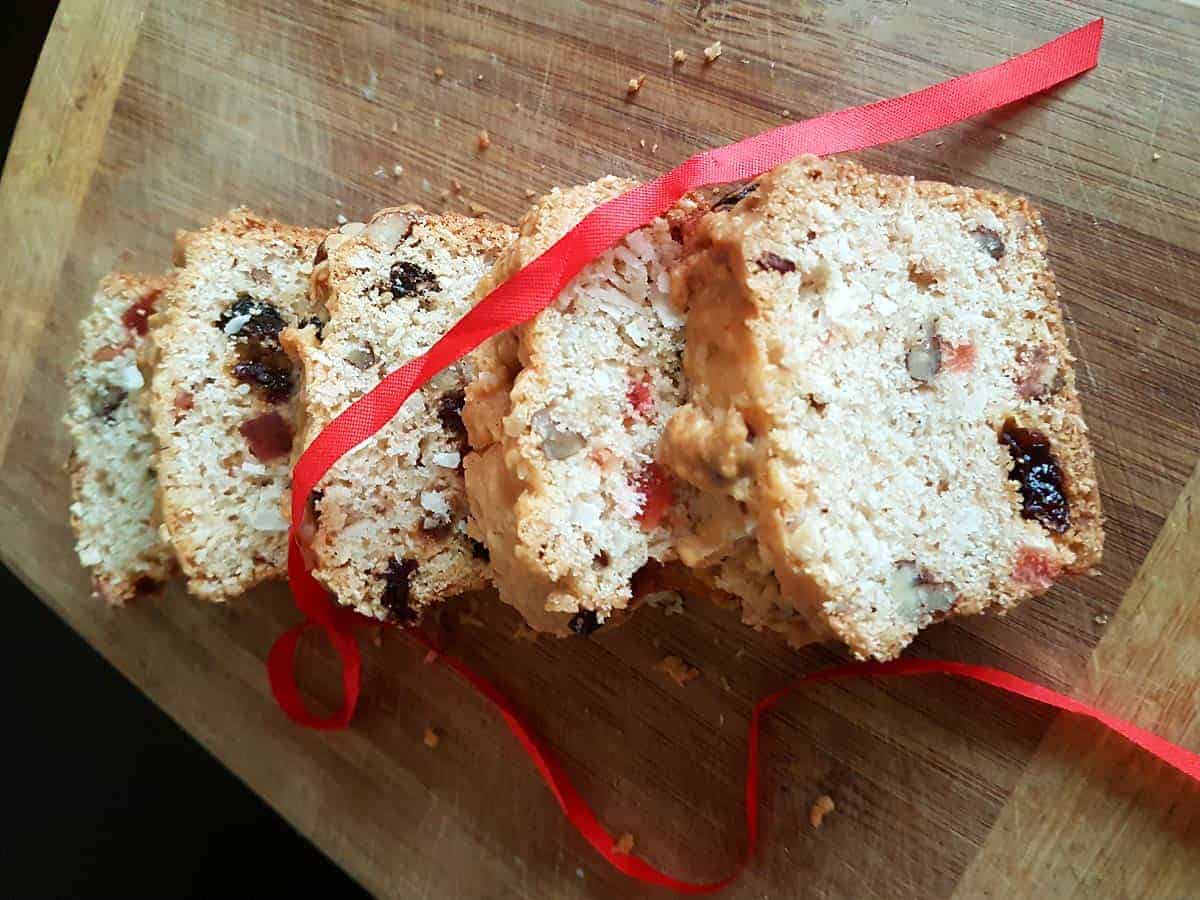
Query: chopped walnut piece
(678, 670)
(432, 738)
(823, 807)
(623, 844)
(712, 51)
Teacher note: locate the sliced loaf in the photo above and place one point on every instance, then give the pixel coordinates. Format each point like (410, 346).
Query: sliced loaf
(880, 374)
(386, 529)
(222, 398)
(565, 415)
(112, 460)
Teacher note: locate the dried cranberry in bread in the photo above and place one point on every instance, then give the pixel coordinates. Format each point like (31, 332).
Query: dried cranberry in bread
(112, 459)
(387, 530)
(879, 372)
(222, 398)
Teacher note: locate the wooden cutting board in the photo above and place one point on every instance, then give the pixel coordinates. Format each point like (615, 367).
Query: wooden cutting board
(148, 117)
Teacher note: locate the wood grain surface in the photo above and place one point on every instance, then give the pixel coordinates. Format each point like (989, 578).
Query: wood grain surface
(147, 117)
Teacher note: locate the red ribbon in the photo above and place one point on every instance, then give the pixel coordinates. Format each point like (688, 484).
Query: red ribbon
(530, 290)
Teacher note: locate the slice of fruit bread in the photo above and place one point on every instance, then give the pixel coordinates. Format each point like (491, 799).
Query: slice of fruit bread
(222, 397)
(880, 373)
(565, 415)
(112, 459)
(386, 528)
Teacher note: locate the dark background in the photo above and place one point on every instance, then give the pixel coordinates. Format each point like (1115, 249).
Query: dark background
(106, 796)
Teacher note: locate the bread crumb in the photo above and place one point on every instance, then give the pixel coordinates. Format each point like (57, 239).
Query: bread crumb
(679, 57)
(397, 170)
(432, 738)
(654, 149)
(1101, 620)
(337, 203)
(438, 72)
(624, 844)
(786, 113)
(341, 220)
(477, 209)
(530, 193)
(1156, 156)
(479, 78)
(635, 84)
(484, 140)
(678, 670)
(642, 143)
(395, 125)
(823, 807)
(456, 185)
(380, 172)
(712, 51)
(1004, 137)
(938, 143)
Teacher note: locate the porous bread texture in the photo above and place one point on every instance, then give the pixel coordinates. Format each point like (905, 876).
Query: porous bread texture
(112, 459)
(387, 532)
(856, 343)
(565, 414)
(222, 503)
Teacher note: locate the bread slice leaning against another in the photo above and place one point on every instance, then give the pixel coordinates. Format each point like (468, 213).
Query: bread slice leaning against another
(386, 527)
(112, 458)
(880, 374)
(565, 416)
(223, 398)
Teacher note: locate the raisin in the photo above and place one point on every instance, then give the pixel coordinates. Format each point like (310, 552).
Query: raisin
(989, 242)
(775, 262)
(409, 278)
(318, 323)
(264, 323)
(272, 383)
(601, 560)
(733, 199)
(584, 622)
(262, 364)
(449, 411)
(106, 402)
(479, 551)
(1040, 479)
(395, 592)
(269, 436)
